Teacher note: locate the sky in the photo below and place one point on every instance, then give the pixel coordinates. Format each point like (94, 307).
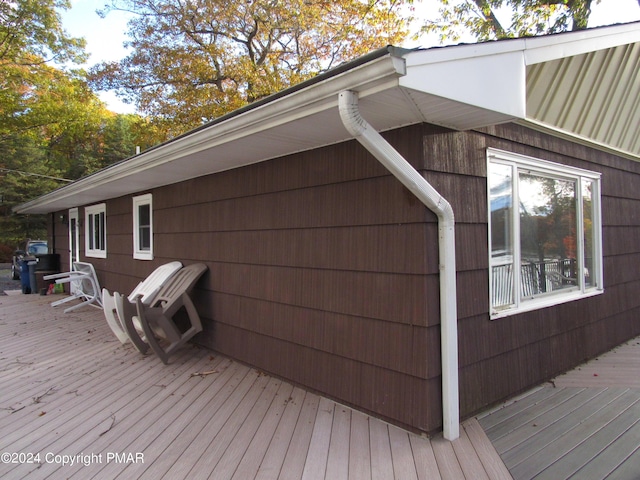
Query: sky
(105, 37)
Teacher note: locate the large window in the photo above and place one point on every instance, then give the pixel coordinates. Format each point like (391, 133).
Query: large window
(143, 227)
(544, 235)
(96, 231)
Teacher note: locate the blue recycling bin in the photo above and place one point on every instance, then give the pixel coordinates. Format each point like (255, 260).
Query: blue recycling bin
(32, 276)
(25, 280)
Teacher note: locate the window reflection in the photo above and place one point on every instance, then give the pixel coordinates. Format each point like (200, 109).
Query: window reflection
(501, 198)
(547, 234)
(588, 232)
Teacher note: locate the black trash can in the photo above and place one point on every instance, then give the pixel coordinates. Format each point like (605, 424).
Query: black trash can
(49, 262)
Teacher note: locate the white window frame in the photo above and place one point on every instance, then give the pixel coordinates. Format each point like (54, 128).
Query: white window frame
(140, 253)
(90, 214)
(548, 169)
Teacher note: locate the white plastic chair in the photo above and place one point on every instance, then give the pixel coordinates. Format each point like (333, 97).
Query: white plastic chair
(84, 286)
(145, 290)
(157, 319)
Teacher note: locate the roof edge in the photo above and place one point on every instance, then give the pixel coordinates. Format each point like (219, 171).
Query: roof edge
(381, 64)
(536, 48)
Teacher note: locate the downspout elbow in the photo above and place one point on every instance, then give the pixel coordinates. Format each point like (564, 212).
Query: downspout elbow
(391, 159)
(350, 113)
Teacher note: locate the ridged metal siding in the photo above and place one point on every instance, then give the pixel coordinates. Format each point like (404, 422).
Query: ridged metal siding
(596, 95)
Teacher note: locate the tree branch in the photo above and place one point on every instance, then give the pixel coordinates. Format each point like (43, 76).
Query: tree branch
(489, 16)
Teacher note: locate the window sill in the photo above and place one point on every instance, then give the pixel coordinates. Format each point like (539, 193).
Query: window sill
(545, 302)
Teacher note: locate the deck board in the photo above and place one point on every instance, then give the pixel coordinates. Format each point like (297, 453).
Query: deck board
(425, 459)
(583, 457)
(170, 441)
(316, 464)
(134, 427)
(380, 450)
(70, 388)
(492, 418)
(584, 424)
(140, 430)
(615, 454)
(469, 463)
(338, 458)
(213, 440)
(569, 433)
(403, 466)
(242, 434)
(504, 434)
(363, 434)
(446, 459)
(629, 469)
(496, 469)
(548, 426)
(251, 460)
(280, 443)
(295, 456)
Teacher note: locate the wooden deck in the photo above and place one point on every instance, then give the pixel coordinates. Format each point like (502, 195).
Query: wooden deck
(583, 425)
(70, 392)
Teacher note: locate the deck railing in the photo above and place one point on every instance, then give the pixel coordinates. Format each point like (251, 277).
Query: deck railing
(535, 278)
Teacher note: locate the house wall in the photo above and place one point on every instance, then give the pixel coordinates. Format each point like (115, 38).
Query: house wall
(323, 270)
(319, 268)
(503, 357)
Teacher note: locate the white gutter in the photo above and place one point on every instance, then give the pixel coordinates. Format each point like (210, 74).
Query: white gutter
(373, 76)
(416, 183)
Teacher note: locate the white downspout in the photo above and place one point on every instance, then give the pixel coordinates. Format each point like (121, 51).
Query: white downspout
(418, 185)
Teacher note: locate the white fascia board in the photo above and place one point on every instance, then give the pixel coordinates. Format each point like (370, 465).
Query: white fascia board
(536, 49)
(463, 51)
(555, 47)
(367, 79)
(494, 82)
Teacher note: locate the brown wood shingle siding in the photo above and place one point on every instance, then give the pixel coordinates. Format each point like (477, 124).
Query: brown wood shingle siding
(502, 357)
(319, 268)
(323, 269)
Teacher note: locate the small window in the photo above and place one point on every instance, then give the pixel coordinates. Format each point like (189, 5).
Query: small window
(96, 231)
(143, 227)
(544, 233)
